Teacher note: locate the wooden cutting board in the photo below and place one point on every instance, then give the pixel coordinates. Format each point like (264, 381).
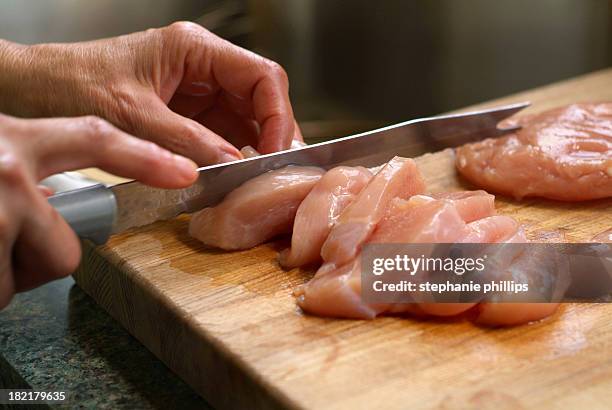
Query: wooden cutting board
(228, 324)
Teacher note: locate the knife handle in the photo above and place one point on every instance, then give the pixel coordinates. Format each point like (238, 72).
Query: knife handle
(89, 211)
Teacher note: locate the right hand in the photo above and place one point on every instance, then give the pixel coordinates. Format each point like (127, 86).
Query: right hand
(36, 244)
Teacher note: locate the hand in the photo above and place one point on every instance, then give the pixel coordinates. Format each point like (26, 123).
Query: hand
(180, 86)
(36, 244)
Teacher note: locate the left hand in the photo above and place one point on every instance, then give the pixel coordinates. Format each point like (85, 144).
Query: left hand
(180, 86)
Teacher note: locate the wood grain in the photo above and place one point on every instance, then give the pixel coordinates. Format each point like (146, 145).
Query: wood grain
(228, 325)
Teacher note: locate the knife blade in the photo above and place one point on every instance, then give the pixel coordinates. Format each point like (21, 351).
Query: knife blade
(96, 212)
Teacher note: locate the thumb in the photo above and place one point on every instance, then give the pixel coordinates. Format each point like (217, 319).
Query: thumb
(182, 135)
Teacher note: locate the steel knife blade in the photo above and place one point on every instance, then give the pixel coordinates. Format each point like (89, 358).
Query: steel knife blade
(134, 204)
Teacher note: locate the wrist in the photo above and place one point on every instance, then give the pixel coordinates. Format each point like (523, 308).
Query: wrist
(13, 62)
(40, 80)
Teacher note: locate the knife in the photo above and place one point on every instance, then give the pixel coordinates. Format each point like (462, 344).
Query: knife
(96, 212)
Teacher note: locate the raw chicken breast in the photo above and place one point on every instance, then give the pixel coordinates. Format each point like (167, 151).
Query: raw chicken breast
(319, 211)
(550, 275)
(563, 154)
(512, 314)
(337, 293)
(421, 219)
(498, 228)
(399, 178)
(424, 219)
(413, 221)
(471, 205)
(257, 210)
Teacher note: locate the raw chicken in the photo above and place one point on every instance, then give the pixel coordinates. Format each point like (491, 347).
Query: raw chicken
(257, 210)
(511, 314)
(544, 270)
(319, 211)
(337, 293)
(492, 229)
(425, 219)
(421, 219)
(471, 205)
(563, 154)
(399, 178)
(445, 219)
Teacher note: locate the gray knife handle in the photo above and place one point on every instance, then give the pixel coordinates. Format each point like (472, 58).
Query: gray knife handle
(89, 211)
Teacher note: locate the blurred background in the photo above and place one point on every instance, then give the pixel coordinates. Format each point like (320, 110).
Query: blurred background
(359, 64)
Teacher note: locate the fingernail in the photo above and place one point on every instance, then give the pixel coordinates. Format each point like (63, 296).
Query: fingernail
(186, 167)
(227, 157)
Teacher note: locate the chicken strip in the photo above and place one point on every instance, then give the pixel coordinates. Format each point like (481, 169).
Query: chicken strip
(399, 178)
(319, 211)
(420, 219)
(257, 210)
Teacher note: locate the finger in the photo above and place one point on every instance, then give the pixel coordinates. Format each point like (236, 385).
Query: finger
(74, 143)
(274, 116)
(13, 176)
(7, 283)
(235, 129)
(183, 135)
(208, 59)
(46, 248)
(45, 190)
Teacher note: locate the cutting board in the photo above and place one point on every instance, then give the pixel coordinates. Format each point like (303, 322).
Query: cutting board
(226, 322)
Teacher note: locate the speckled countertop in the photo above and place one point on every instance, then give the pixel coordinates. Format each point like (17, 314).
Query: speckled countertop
(57, 338)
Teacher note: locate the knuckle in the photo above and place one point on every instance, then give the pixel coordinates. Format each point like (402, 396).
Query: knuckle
(183, 141)
(277, 70)
(184, 27)
(96, 124)
(12, 170)
(155, 157)
(97, 130)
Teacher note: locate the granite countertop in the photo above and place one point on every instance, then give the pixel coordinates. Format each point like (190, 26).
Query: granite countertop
(57, 338)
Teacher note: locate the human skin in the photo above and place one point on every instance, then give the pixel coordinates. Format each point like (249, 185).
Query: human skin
(36, 244)
(180, 86)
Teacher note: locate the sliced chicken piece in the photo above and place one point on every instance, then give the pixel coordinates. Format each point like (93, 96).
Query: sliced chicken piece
(420, 219)
(471, 205)
(498, 228)
(547, 274)
(399, 178)
(423, 219)
(256, 211)
(430, 221)
(318, 212)
(512, 314)
(564, 154)
(337, 293)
